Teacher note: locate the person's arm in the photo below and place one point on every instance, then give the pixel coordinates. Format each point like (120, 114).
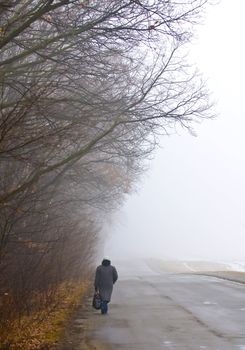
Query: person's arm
(97, 279)
(115, 275)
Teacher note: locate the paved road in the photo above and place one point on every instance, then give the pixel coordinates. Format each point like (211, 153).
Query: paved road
(152, 310)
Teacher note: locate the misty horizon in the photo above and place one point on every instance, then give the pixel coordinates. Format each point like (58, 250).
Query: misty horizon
(190, 204)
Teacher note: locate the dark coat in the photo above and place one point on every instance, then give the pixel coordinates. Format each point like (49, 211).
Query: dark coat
(105, 277)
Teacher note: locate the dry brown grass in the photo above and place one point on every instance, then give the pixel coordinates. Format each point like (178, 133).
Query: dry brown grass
(43, 329)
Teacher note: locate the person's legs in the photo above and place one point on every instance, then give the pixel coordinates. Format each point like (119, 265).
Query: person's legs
(104, 307)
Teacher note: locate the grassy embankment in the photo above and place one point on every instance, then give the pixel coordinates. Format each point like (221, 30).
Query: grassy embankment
(44, 328)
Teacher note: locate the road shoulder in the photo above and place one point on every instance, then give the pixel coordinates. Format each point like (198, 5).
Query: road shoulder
(78, 332)
(234, 276)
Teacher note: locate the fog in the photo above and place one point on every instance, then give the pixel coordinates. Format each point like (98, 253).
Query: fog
(190, 204)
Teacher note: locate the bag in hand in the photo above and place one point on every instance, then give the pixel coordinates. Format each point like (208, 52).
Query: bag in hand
(96, 301)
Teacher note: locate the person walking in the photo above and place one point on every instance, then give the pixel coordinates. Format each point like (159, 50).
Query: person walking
(105, 276)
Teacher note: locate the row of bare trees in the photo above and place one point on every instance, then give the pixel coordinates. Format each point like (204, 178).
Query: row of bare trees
(86, 88)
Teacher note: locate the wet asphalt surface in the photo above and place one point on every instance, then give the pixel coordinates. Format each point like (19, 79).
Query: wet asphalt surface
(154, 310)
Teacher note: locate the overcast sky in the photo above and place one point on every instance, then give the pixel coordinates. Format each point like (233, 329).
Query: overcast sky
(191, 203)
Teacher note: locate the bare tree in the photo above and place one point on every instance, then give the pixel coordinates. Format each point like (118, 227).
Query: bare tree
(86, 88)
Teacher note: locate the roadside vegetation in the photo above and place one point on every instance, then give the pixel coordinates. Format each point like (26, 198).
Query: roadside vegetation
(86, 89)
(43, 328)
